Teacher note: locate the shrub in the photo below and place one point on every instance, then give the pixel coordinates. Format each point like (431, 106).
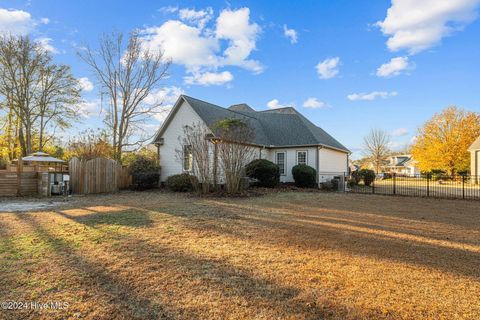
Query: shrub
(352, 182)
(141, 163)
(367, 175)
(304, 176)
(266, 172)
(181, 182)
(145, 180)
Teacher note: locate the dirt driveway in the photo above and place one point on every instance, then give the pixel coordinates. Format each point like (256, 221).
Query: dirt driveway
(288, 255)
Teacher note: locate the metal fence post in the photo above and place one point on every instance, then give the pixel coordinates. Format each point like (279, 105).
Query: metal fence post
(394, 183)
(373, 184)
(463, 186)
(428, 184)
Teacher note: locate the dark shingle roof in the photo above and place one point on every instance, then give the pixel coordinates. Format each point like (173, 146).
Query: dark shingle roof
(278, 127)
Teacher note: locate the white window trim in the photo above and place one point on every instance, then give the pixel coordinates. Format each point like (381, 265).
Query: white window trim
(306, 156)
(284, 161)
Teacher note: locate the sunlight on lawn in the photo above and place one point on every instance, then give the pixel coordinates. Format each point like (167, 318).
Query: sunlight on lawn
(271, 257)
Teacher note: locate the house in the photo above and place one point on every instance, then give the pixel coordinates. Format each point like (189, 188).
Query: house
(283, 136)
(401, 164)
(475, 161)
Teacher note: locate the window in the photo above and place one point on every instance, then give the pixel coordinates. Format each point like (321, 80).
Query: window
(281, 162)
(187, 158)
(301, 157)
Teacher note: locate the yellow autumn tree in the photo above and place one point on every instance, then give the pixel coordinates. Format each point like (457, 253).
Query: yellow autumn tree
(442, 143)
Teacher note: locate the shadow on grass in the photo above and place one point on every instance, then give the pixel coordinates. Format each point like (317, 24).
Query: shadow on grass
(127, 304)
(127, 217)
(214, 276)
(350, 236)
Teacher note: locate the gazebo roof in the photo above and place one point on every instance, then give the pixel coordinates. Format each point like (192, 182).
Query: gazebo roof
(41, 157)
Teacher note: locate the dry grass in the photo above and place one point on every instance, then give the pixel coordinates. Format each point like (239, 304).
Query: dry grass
(280, 256)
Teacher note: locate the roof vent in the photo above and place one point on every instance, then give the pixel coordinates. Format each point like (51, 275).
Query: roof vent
(242, 107)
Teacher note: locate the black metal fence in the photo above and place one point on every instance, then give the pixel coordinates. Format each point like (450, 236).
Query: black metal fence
(424, 185)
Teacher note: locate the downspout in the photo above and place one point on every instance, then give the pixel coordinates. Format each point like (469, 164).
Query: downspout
(317, 178)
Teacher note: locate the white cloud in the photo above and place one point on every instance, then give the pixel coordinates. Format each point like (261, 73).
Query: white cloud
(395, 67)
(15, 22)
(167, 97)
(235, 26)
(89, 108)
(275, 104)
(328, 68)
(168, 9)
(399, 132)
(203, 50)
(371, 96)
(291, 34)
(199, 18)
(184, 44)
(209, 78)
(314, 103)
(44, 20)
(46, 44)
(85, 84)
(416, 25)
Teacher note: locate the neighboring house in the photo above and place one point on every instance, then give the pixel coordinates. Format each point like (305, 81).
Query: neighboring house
(475, 161)
(401, 164)
(283, 136)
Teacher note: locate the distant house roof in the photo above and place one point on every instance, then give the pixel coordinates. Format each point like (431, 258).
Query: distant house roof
(475, 145)
(399, 160)
(273, 128)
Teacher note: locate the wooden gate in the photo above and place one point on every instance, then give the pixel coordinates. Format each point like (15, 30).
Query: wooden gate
(98, 175)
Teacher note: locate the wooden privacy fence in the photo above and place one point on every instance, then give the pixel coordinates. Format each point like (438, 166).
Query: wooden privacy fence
(98, 175)
(9, 183)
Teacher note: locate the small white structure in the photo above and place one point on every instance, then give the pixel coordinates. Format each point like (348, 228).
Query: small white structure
(475, 161)
(283, 136)
(401, 164)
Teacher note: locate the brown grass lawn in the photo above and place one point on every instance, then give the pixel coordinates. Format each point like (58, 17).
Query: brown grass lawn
(285, 255)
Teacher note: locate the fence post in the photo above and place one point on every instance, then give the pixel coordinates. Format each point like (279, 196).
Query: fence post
(19, 175)
(394, 183)
(428, 184)
(463, 186)
(373, 184)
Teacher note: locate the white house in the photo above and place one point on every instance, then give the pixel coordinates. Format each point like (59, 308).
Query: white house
(401, 164)
(283, 136)
(475, 160)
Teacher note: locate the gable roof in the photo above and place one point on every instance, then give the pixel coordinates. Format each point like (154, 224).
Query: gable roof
(273, 128)
(475, 145)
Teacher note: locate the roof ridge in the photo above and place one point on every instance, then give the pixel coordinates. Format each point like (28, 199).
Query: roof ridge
(217, 106)
(273, 110)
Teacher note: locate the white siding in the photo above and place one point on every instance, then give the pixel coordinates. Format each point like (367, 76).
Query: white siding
(291, 159)
(168, 155)
(331, 163)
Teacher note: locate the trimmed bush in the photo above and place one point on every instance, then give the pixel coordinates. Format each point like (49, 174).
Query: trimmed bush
(181, 182)
(266, 172)
(367, 175)
(304, 176)
(145, 180)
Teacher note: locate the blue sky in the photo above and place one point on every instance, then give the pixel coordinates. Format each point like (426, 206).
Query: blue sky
(349, 66)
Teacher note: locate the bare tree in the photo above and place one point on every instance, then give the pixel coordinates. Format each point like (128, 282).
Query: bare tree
(195, 156)
(36, 92)
(21, 62)
(58, 98)
(127, 72)
(377, 147)
(235, 151)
